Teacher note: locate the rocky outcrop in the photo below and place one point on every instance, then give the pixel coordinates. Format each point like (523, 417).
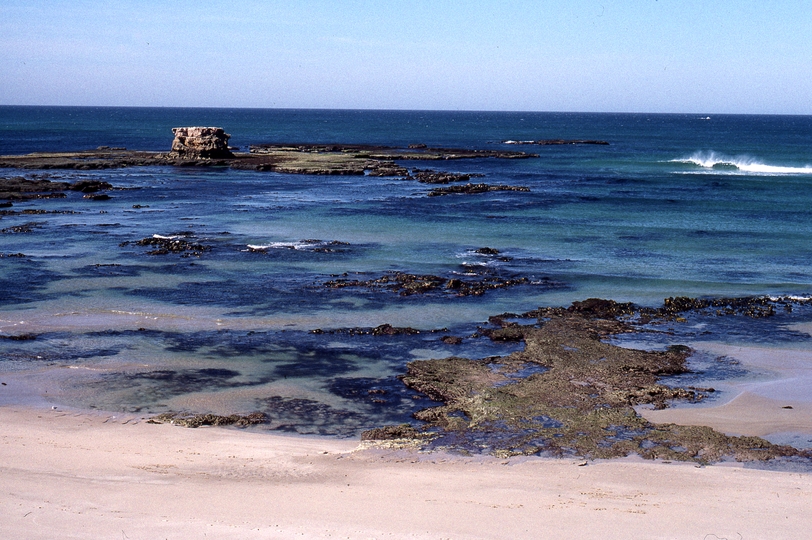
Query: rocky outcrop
(208, 147)
(18, 188)
(410, 284)
(474, 188)
(200, 142)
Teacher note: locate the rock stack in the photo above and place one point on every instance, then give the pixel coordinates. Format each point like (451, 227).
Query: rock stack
(200, 143)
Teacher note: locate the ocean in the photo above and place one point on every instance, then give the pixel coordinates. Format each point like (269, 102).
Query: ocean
(675, 205)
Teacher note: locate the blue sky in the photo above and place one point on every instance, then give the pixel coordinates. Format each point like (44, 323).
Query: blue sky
(719, 56)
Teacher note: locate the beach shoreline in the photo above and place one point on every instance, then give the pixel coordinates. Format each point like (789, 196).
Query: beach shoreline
(306, 283)
(773, 404)
(769, 402)
(97, 476)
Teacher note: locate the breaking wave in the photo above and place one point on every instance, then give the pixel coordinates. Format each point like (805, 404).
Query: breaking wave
(713, 161)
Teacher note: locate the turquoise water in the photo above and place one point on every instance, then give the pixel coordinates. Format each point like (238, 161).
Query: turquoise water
(675, 205)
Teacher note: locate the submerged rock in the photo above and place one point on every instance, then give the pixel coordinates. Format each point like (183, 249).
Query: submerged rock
(22, 229)
(171, 244)
(486, 251)
(18, 188)
(426, 176)
(475, 188)
(380, 330)
(410, 284)
(90, 186)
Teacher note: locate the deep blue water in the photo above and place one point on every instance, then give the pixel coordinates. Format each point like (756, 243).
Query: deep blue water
(674, 205)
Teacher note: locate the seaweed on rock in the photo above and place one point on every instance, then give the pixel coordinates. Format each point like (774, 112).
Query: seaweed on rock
(580, 399)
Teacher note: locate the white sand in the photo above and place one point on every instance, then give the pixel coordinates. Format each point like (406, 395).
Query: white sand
(776, 399)
(71, 475)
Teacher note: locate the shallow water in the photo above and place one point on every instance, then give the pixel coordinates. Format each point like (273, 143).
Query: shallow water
(674, 205)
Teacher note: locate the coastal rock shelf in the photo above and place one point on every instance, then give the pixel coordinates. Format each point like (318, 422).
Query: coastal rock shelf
(475, 188)
(208, 147)
(405, 284)
(191, 149)
(349, 159)
(570, 393)
(41, 187)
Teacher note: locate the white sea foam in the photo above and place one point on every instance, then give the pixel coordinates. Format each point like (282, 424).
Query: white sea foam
(302, 245)
(713, 161)
(275, 245)
(792, 298)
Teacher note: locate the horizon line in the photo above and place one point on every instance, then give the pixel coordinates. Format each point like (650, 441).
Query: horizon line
(347, 109)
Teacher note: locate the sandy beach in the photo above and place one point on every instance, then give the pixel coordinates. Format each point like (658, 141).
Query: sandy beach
(98, 476)
(773, 403)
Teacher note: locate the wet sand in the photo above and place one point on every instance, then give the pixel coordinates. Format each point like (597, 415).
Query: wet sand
(773, 402)
(75, 475)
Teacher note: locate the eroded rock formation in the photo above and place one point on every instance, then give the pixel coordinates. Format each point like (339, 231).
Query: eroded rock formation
(200, 142)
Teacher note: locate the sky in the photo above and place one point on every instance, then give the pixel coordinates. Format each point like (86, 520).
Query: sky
(722, 56)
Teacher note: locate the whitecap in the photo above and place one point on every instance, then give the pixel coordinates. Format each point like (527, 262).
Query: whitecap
(789, 298)
(714, 162)
(301, 245)
(274, 245)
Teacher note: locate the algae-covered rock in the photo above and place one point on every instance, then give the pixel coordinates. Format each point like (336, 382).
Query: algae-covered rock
(198, 420)
(406, 284)
(569, 393)
(386, 433)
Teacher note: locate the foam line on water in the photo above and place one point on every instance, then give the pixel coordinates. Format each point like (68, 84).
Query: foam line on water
(716, 162)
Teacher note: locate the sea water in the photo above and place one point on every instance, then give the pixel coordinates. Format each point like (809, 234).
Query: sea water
(692, 205)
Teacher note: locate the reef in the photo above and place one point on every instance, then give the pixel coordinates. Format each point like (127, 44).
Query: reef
(402, 431)
(380, 330)
(198, 420)
(474, 188)
(22, 229)
(405, 284)
(101, 158)
(208, 147)
(341, 159)
(19, 337)
(18, 188)
(179, 243)
(571, 393)
(428, 176)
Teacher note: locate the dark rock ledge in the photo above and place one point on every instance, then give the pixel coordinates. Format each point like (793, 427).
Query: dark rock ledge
(18, 188)
(198, 420)
(208, 147)
(182, 243)
(405, 284)
(189, 151)
(474, 188)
